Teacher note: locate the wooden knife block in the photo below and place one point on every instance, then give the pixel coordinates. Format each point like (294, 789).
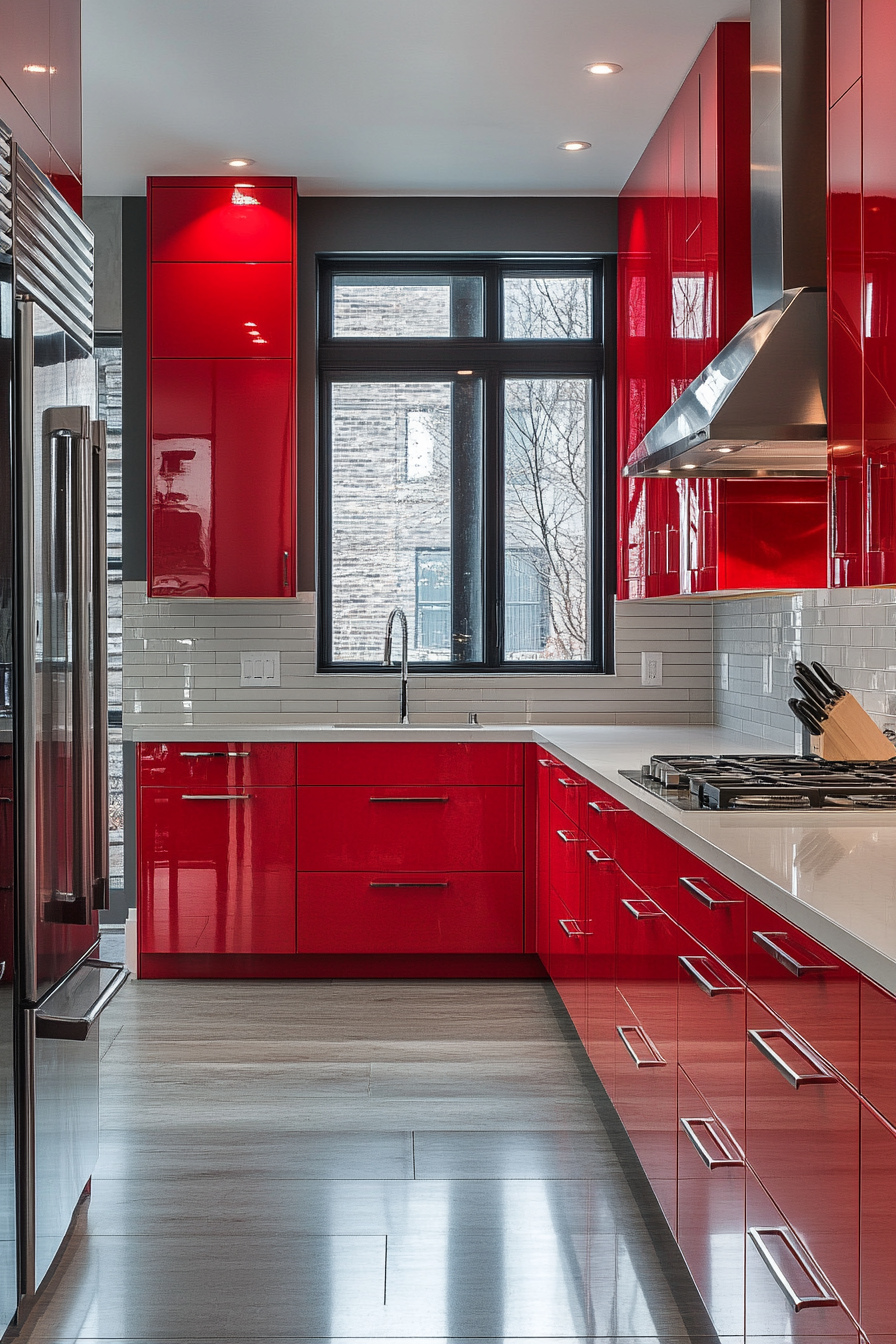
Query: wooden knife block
(850, 734)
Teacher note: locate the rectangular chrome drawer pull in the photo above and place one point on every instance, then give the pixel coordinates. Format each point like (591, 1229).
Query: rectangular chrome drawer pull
(216, 797)
(217, 754)
(657, 1062)
(569, 839)
(542, 761)
(695, 886)
(409, 800)
(597, 857)
(790, 963)
(821, 1073)
(576, 932)
(825, 1296)
(644, 909)
(697, 968)
(732, 1157)
(572, 783)
(409, 884)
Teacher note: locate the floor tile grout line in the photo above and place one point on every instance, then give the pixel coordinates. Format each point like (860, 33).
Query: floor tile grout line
(385, 1268)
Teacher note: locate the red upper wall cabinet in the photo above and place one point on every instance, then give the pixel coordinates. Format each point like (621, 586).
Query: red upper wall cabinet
(222, 318)
(684, 291)
(25, 56)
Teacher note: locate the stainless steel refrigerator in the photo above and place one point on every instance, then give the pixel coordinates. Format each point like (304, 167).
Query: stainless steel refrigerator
(52, 633)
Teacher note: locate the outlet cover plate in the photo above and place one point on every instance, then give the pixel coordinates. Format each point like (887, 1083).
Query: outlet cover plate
(651, 669)
(260, 668)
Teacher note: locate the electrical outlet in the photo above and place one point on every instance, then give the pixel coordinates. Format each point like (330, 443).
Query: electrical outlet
(260, 669)
(651, 669)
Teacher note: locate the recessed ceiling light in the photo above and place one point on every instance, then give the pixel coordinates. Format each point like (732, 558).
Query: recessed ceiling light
(39, 69)
(663, 471)
(573, 146)
(465, 373)
(238, 163)
(603, 68)
(724, 450)
(689, 466)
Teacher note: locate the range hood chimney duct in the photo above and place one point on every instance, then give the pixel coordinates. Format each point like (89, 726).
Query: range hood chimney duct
(758, 409)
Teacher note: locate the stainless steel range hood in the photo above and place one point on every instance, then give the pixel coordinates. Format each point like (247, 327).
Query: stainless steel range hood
(759, 408)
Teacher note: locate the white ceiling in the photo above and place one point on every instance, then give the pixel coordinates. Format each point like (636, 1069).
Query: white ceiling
(384, 97)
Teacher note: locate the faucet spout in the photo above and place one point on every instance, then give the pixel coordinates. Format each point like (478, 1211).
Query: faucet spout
(387, 658)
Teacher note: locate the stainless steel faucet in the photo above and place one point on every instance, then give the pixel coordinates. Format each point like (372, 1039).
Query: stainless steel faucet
(387, 658)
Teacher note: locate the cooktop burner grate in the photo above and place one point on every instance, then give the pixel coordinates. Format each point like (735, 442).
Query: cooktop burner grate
(762, 783)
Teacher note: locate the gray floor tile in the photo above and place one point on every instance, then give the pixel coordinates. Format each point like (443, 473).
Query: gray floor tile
(504, 1155)
(251, 1152)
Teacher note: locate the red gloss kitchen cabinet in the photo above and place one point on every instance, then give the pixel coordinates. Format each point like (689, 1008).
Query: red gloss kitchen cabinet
(222, 508)
(216, 764)
(878, 1237)
(711, 1208)
(410, 913)
(802, 1142)
(217, 870)
(805, 984)
(601, 903)
(877, 1061)
(222, 395)
(544, 765)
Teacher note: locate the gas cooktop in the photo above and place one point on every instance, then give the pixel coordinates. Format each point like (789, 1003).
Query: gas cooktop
(768, 783)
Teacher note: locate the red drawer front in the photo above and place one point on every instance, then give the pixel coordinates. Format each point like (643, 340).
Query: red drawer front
(649, 858)
(399, 763)
(813, 990)
(217, 763)
(544, 765)
(568, 791)
(217, 874)
(205, 223)
(803, 1144)
(414, 829)
(601, 899)
(645, 1095)
(647, 948)
(428, 912)
(878, 1050)
(568, 947)
(770, 1318)
(711, 1208)
(714, 910)
(568, 845)
(212, 309)
(599, 817)
(878, 1243)
(712, 1031)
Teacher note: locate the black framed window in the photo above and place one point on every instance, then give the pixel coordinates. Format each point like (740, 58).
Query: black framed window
(464, 463)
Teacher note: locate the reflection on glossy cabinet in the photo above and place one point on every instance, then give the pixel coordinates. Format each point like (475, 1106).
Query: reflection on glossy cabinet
(230, 310)
(878, 1242)
(217, 870)
(212, 219)
(222, 478)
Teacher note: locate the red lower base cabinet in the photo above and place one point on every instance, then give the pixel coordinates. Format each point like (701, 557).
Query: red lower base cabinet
(803, 1145)
(711, 1208)
(601, 897)
(878, 1243)
(218, 871)
(407, 912)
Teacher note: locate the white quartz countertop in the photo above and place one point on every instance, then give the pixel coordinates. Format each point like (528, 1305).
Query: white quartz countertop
(834, 876)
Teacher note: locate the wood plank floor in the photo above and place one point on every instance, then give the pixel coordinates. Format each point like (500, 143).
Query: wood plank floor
(321, 1160)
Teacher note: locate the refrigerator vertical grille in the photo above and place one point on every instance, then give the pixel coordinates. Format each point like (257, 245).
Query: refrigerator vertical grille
(52, 251)
(5, 190)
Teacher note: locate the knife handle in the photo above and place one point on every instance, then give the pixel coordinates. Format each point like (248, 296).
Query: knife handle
(824, 675)
(814, 697)
(805, 716)
(819, 689)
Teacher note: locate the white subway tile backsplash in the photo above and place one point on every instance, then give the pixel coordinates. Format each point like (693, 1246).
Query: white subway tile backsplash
(162, 639)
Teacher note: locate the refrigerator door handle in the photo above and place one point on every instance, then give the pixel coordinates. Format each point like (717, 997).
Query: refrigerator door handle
(100, 884)
(64, 1028)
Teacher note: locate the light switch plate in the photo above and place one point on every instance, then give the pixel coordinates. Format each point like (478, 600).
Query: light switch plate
(651, 669)
(260, 668)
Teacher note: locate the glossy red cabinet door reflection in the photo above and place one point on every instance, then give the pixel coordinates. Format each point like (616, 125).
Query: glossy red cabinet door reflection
(212, 221)
(646, 1052)
(217, 870)
(878, 1236)
(712, 1031)
(227, 310)
(544, 764)
(568, 845)
(222, 479)
(803, 1144)
(649, 857)
(809, 987)
(407, 912)
(711, 1208)
(877, 1067)
(26, 43)
(601, 901)
(415, 828)
(65, 83)
(396, 764)
(568, 947)
(216, 764)
(770, 1316)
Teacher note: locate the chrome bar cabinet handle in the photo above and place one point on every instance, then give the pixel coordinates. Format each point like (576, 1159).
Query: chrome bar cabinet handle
(644, 909)
(693, 967)
(655, 1062)
(569, 839)
(572, 783)
(216, 797)
(576, 932)
(409, 884)
(410, 800)
(820, 1074)
(219, 755)
(768, 943)
(596, 856)
(731, 1154)
(825, 1295)
(706, 893)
